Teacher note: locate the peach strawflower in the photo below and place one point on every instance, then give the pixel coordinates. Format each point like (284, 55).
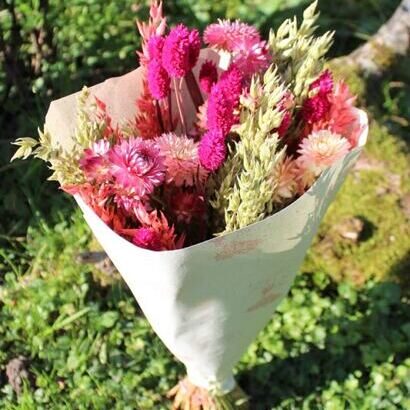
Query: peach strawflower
(285, 177)
(320, 150)
(181, 160)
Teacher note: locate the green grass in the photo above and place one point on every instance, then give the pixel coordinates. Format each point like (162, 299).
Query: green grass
(340, 340)
(329, 345)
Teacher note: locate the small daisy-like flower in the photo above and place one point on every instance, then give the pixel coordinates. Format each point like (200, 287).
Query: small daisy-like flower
(208, 75)
(181, 51)
(319, 151)
(137, 165)
(181, 160)
(212, 149)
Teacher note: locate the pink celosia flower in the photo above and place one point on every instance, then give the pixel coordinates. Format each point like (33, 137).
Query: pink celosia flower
(319, 151)
(155, 46)
(137, 164)
(324, 83)
(212, 149)
(147, 238)
(155, 27)
(232, 79)
(158, 80)
(159, 223)
(223, 101)
(146, 123)
(317, 108)
(181, 160)
(208, 75)
(194, 47)
(227, 35)
(285, 180)
(186, 206)
(181, 51)
(94, 161)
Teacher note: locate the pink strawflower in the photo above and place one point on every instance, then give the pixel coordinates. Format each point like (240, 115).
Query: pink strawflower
(343, 117)
(285, 180)
(223, 101)
(319, 151)
(181, 51)
(147, 238)
(94, 161)
(155, 46)
(227, 35)
(208, 76)
(249, 53)
(137, 165)
(158, 80)
(181, 160)
(251, 57)
(212, 149)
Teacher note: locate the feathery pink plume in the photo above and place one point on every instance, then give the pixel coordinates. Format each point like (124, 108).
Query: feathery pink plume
(212, 149)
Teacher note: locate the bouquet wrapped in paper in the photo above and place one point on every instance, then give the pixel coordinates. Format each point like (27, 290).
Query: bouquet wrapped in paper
(204, 175)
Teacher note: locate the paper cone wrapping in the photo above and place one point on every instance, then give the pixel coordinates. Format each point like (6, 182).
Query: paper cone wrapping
(209, 301)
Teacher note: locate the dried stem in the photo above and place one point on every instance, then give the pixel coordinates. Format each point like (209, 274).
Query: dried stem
(170, 112)
(177, 91)
(188, 396)
(194, 90)
(159, 116)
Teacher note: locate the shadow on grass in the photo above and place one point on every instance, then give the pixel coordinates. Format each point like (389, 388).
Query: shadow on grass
(352, 346)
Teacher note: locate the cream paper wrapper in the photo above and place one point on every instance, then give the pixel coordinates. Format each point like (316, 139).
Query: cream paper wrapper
(209, 301)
